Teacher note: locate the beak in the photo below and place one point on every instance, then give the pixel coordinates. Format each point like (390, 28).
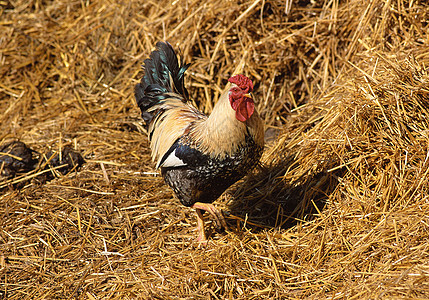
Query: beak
(248, 95)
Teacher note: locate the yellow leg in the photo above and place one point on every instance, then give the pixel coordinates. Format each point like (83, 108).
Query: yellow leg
(200, 226)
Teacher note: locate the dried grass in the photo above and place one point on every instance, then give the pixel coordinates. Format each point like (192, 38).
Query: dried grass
(337, 210)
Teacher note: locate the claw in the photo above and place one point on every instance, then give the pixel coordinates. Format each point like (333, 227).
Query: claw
(217, 215)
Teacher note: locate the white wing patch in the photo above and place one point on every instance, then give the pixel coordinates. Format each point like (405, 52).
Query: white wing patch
(172, 161)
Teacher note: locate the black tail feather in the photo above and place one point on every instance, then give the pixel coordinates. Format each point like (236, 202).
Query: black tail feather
(162, 74)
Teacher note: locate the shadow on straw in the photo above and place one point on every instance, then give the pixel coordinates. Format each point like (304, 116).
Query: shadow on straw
(271, 199)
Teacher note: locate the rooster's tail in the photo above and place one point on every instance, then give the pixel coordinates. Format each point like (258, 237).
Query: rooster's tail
(163, 75)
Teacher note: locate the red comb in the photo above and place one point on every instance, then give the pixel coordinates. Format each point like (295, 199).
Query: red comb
(242, 82)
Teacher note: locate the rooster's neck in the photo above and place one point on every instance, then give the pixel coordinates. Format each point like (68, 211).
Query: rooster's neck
(221, 133)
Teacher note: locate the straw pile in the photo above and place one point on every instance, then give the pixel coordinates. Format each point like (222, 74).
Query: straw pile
(336, 210)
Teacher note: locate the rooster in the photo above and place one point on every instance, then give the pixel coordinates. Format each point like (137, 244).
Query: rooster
(199, 156)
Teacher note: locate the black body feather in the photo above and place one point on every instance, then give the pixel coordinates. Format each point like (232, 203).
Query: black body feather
(204, 179)
(162, 75)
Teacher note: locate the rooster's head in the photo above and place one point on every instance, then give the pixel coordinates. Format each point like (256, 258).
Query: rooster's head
(241, 98)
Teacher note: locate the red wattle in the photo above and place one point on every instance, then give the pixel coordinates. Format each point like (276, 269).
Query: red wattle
(244, 110)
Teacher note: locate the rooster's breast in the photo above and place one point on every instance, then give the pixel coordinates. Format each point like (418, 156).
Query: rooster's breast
(199, 177)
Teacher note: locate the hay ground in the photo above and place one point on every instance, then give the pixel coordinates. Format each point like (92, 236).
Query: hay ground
(338, 208)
